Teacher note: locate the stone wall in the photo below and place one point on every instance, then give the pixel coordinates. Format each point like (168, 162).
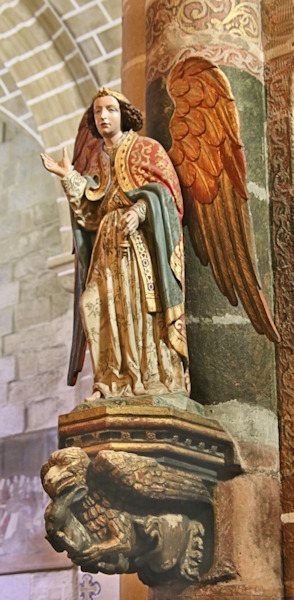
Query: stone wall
(53, 57)
(35, 312)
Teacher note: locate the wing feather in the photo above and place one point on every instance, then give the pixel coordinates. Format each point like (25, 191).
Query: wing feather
(144, 477)
(195, 94)
(219, 84)
(216, 250)
(234, 164)
(245, 273)
(181, 129)
(183, 106)
(226, 111)
(210, 159)
(196, 122)
(177, 156)
(207, 152)
(180, 87)
(193, 66)
(210, 96)
(197, 234)
(190, 149)
(186, 172)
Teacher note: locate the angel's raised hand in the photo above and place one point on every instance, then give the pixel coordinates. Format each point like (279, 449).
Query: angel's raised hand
(62, 168)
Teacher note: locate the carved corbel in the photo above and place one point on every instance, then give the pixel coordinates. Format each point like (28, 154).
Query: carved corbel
(137, 494)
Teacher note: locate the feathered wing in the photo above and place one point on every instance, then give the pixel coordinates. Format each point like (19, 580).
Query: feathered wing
(144, 477)
(208, 157)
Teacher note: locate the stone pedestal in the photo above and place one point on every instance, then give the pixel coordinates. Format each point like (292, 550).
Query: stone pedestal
(171, 428)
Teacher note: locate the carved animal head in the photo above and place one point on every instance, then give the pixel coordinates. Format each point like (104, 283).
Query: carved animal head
(65, 470)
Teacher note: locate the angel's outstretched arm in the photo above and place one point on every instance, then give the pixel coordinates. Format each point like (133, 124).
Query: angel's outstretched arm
(63, 168)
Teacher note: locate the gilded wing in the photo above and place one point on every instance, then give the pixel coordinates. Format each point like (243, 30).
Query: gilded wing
(208, 157)
(145, 477)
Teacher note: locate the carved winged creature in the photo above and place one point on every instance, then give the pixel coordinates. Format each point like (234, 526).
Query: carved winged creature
(208, 158)
(155, 535)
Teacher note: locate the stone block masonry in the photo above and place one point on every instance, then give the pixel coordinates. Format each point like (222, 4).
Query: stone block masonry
(57, 50)
(35, 311)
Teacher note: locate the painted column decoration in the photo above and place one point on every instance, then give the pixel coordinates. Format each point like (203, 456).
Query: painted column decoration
(278, 24)
(226, 32)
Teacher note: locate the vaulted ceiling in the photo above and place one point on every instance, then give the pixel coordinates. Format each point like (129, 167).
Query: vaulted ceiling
(54, 54)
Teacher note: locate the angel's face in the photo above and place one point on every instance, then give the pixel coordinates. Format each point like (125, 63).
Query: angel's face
(107, 117)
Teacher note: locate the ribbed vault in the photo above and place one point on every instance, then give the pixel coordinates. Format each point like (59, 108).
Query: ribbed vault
(53, 56)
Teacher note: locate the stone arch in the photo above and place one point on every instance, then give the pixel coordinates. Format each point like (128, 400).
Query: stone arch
(53, 57)
(48, 49)
(44, 64)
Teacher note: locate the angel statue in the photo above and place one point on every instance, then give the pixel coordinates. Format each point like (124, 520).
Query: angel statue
(128, 199)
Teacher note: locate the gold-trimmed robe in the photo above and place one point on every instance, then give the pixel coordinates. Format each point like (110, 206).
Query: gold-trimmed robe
(133, 304)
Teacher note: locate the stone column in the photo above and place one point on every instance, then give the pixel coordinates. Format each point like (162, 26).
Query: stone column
(229, 37)
(232, 367)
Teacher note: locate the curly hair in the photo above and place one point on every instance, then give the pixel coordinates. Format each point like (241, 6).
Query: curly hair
(131, 118)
